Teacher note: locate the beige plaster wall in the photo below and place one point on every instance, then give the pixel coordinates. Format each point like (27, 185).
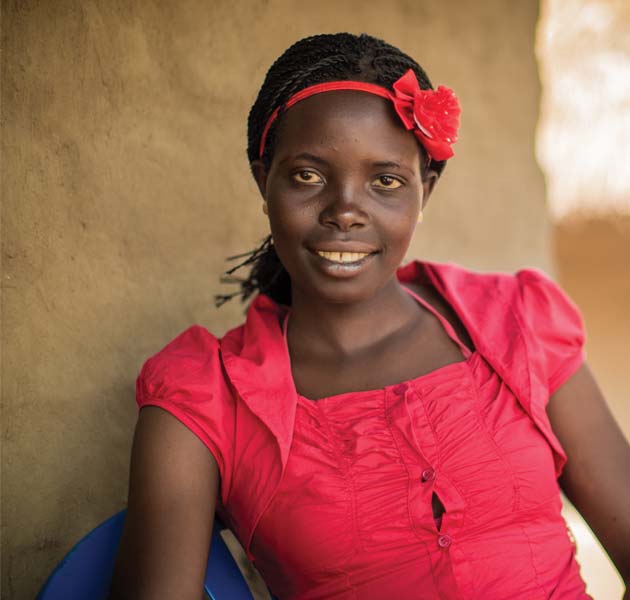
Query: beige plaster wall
(125, 184)
(584, 55)
(591, 256)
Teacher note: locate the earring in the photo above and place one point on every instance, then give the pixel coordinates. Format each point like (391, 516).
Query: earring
(420, 217)
(265, 208)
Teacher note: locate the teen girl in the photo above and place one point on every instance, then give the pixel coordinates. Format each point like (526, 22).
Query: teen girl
(371, 430)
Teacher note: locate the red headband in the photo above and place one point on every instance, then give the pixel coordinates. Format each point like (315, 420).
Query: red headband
(432, 115)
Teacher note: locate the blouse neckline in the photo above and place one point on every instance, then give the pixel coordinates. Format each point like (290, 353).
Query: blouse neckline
(467, 353)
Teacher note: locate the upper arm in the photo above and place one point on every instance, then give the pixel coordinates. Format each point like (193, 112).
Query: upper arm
(596, 477)
(173, 486)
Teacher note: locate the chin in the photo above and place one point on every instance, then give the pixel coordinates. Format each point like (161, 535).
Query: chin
(340, 290)
(315, 277)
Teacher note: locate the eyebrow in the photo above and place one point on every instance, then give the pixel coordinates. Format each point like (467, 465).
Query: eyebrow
(306, 156)
(388, 164)
(391, 164)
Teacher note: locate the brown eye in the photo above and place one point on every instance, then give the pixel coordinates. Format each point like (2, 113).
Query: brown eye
(387, 182)
(306, 176)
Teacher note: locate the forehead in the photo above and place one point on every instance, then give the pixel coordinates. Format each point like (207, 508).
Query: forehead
(343, 122)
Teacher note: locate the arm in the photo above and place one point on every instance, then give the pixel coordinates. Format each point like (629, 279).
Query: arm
(596, 478)
(172, 494)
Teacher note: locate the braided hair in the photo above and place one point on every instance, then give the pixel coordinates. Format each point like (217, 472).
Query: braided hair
(312, 60)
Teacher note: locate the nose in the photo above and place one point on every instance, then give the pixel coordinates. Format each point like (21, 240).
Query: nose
(344, 210)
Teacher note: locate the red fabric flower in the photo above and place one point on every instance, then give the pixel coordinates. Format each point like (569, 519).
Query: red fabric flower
(433, 115)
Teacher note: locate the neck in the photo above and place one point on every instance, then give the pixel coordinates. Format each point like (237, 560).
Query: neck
(326, 328)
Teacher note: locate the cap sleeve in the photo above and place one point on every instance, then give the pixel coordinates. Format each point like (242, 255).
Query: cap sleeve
(186, 379)
(555, 326)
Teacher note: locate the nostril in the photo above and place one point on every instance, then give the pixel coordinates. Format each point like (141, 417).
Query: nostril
(345, 219)
(343, 225)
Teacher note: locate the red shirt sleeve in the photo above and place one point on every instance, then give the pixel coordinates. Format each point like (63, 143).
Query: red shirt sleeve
(186, 379)
(555, 325)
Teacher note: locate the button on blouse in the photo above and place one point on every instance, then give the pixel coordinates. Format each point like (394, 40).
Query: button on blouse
(353, 515)
(335, 498)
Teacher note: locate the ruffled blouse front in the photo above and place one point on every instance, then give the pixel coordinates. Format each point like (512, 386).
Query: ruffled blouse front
(353, 515)
(333, 498)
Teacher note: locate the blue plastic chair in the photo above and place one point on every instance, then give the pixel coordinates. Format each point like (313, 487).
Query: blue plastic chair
(86, 571)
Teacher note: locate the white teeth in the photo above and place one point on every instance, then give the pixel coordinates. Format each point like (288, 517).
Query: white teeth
(342, 257)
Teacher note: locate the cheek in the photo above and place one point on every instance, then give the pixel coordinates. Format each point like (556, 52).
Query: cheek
(291, 214)
(287, 224)
(401, 240)
(288, 230)
(398, 227)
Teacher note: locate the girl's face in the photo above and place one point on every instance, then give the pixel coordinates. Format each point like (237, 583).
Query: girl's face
(343, 194)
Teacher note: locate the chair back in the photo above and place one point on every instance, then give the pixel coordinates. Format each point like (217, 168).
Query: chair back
(86, 571)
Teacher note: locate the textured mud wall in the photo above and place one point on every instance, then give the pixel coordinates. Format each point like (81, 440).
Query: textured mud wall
(125, 184)
(592, 265)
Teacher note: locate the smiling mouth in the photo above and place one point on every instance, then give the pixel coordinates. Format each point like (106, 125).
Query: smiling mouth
(342, 257)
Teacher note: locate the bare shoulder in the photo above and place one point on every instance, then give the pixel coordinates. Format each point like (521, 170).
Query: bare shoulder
(173, 487)
(596, 477)
(428, 293)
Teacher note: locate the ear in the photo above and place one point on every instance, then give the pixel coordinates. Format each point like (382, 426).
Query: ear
(259, 172)
(429, 180)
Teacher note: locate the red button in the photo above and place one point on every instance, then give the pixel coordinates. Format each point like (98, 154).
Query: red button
(400, 389)
(444, 541)
(428, 475)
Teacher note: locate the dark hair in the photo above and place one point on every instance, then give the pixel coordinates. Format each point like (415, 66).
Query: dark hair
(315, 59)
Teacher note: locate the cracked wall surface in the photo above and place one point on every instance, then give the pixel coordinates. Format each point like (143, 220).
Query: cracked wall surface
(125, 185)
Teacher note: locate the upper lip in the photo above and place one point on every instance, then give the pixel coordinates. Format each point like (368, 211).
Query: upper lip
(344, 246)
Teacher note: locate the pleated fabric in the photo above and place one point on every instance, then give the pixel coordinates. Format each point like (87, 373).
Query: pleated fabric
(353, 515)
(333, 498)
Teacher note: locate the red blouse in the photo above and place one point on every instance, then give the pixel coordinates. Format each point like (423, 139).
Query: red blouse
(350, 515)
